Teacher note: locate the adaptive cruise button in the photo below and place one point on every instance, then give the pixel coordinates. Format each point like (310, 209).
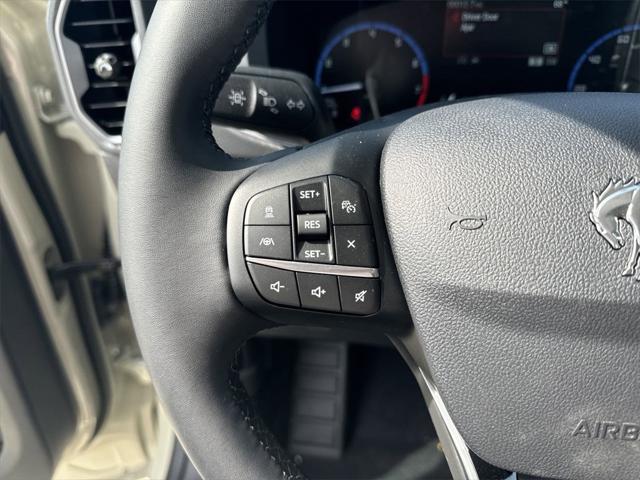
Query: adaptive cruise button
(349, 204)
(269, 208)
(276, 286)
(268, 242)
(312, 225)
(359, 295)
(355, 245)
(310, 195)
(318, 292)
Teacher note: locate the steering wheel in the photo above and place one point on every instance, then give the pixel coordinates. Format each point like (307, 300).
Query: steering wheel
(493, 218)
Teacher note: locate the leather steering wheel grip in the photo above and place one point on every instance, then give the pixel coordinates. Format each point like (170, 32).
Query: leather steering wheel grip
(174, 189)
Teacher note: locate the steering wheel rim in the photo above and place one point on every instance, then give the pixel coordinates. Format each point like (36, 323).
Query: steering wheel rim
(175, 188)
(161, 195)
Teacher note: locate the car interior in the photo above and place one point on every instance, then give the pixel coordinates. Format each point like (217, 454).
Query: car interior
(337, 240)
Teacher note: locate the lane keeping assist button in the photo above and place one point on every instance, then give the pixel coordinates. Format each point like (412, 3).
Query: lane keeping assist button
(275, 285)
(268, 242)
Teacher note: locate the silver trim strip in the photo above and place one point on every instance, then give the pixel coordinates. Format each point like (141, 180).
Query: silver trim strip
(453, 445)
(321, 268)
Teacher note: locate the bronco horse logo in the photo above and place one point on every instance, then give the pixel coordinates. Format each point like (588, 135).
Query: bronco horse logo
(618, 202)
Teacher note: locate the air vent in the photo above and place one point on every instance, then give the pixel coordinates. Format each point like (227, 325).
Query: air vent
(103, 29)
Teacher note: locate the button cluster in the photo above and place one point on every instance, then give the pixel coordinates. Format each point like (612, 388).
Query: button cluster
(276, 102)
(320, 221)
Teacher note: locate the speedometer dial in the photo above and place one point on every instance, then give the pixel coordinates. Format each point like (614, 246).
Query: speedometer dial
(610, 64)
(371, 69)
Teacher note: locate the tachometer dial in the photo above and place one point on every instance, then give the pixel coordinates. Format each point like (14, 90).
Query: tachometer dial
(371, 69)
(610, 64)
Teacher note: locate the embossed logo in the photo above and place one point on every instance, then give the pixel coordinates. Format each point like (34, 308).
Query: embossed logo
(619, 202)
(605, 430)
(466, 222)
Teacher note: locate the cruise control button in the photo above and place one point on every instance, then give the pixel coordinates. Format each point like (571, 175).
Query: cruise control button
(269, 208)
(349, 204)
(274, 285)
(310, 195)
(355, 245)
(359, 295)
(318, 292)
(312, 225)
(268, 242)
(315, 252)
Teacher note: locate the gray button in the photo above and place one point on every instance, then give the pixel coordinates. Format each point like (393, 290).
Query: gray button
(315, 252)
(318, 292)
(274, 285)
(312, 225)
(355, 245)
(269, 208)
(349, 204)
(359, 295)
(268, 242)
(309, 195)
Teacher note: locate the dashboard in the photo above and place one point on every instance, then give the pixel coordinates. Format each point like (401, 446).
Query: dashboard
(369, 59)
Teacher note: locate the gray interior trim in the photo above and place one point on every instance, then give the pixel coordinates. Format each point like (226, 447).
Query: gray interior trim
(321, 268)
(33, 239)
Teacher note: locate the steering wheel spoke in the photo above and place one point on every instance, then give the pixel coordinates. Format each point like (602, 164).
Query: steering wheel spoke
(307, 242)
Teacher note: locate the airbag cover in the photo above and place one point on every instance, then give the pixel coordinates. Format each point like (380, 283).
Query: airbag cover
(530, 329)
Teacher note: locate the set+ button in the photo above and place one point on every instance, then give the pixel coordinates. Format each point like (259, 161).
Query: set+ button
(310, 195)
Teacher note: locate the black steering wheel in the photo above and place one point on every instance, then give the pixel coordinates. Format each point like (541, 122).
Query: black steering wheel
(493, 219)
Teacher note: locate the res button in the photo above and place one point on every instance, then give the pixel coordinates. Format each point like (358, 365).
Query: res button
(312, 225)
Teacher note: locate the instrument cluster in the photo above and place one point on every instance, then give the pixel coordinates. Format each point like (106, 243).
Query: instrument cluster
(369, 59)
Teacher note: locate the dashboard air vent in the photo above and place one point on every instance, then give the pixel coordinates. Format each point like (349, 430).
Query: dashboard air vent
(104, 30)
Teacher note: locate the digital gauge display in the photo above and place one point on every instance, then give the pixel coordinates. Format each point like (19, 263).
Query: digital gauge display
(369, 70)
(373, 58)
(609, 64)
